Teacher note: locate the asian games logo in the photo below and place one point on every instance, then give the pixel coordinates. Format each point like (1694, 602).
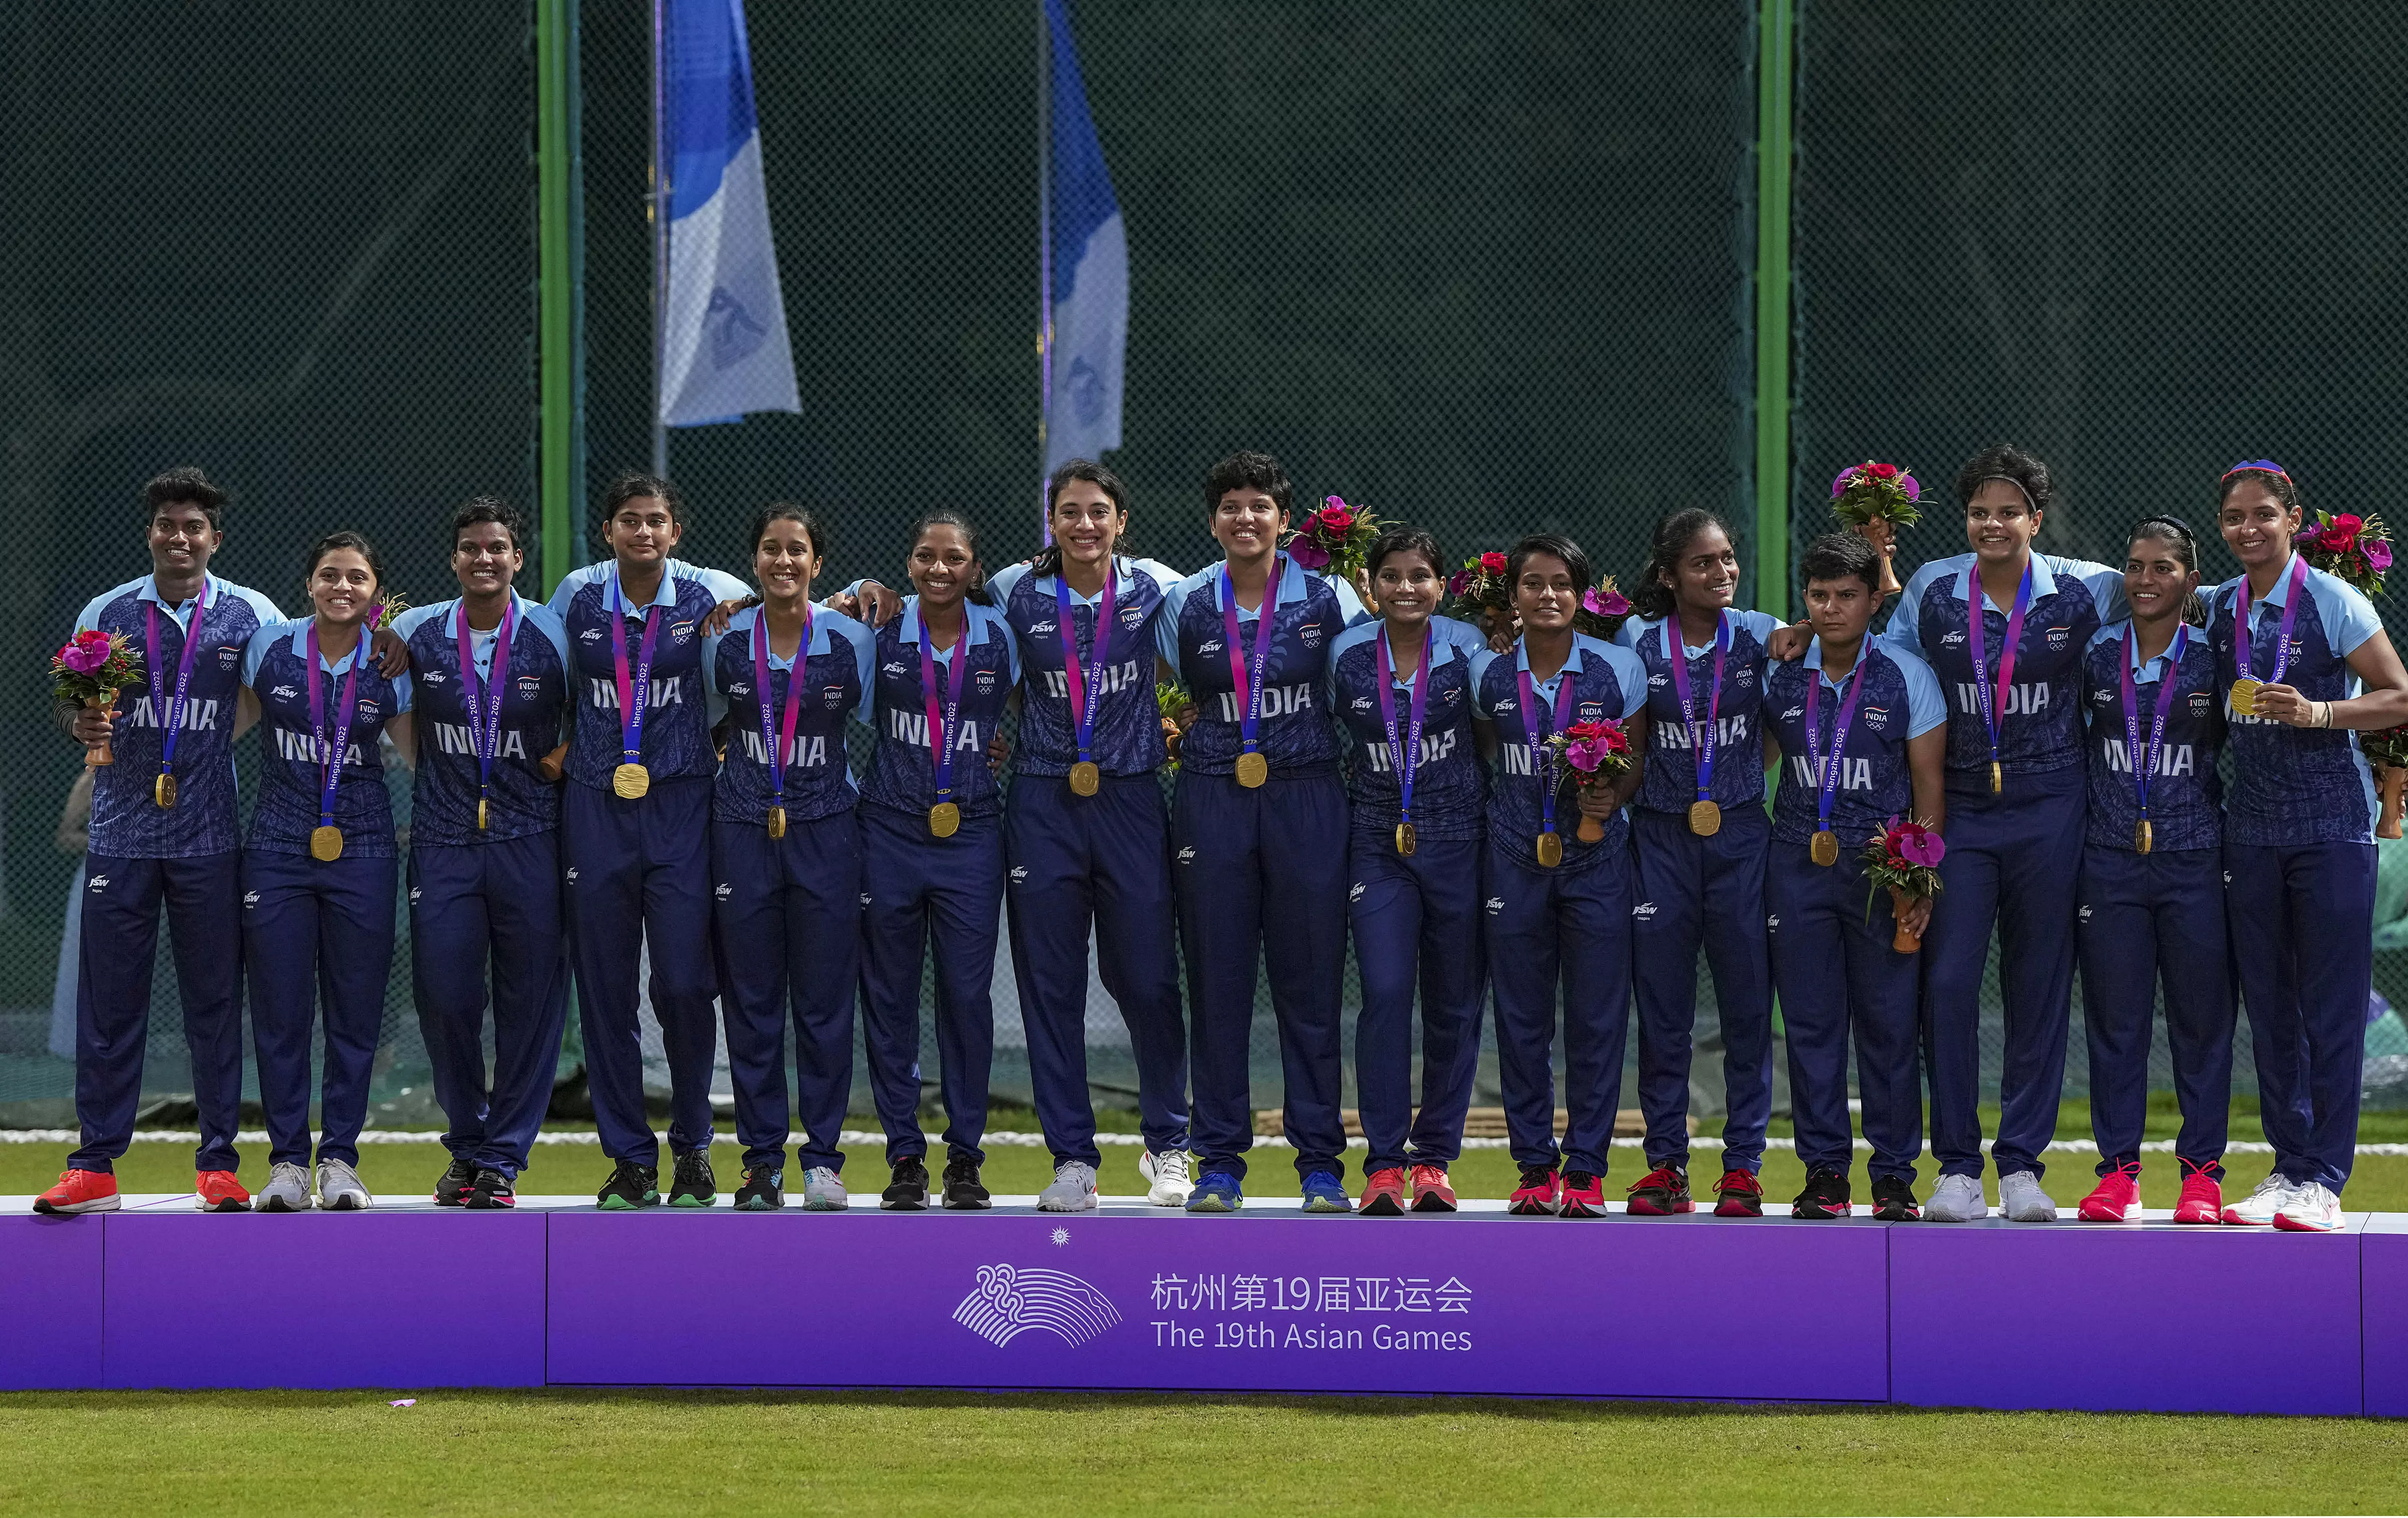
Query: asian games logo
(1008, 1302)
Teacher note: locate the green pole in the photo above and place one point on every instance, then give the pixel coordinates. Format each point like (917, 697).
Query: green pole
(1776, 69)
(556, 386)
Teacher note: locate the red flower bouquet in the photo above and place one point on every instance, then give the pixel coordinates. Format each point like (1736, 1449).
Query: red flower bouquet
(2354, 548)
(2387, 751)
(1602, 611)
(90, 670)
(1874, 500)
(1903, 857)
(1337, 537)
(1593, 753)
(1482, 597)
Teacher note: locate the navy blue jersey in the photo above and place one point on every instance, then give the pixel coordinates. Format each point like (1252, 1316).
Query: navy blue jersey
(1127, 732)
(535, 701)
(1670, 782)
(677, 718)
(1296, 735)
(902, 773)
(126, 822)
(276, 668)
(2040, 727)
(1901, 700)
(836, 688)
(2185, 796)
(1447, 778)
(1607, 682)
(2296, 784)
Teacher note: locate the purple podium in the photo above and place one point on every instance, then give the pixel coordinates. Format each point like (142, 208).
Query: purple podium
(2382, 1281)
(50, 1269)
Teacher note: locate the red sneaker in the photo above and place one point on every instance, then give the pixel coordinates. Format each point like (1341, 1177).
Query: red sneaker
(79, 1190)
(1739, 1194)
(1584, 1195)
(218, 1191)
(1540, 1195)
(2202, 1196)
(1383, 1194)
(1661, 1192)
(2117, 1198)
(1431, 1193)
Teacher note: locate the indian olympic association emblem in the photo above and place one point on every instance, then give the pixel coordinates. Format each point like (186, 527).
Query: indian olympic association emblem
(1010, 1301)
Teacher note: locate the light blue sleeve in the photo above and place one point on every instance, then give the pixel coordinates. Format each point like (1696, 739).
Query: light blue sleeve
(1480, 662)
(1905, 630)
(1348, 602)
(722, 585)
(865, 659)
(261, 607)
(547, 621)
(999, 583)
(1166, 624)
(1459, 635)
(996, 627)
(1631, 671)
(711, 642)
(89, 619)
(254, 653)
(1926, 709)
(2106, 585)
(400, 696)
(406, 626)
(1631, 630)
(1162, 575)
(1330, 695)
(2349, 617)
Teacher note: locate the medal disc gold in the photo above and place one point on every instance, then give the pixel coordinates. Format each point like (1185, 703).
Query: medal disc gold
(1998, 780)
(1705, 819)
(1825, 849)
(1406, 840)
(326, 843)
(2142, 836)
(1551, 848)
(163, 790)
(2244, 697)
(480, 814)
(944, 820)
(630, 781)
(777, 822)
(1253, 770)
(1086, 780)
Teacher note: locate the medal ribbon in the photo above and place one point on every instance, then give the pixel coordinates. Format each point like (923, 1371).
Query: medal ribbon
(2144, 763)
(1406, 755)
(1083, 678)
(2240, 650)
(485, 733)
(1680, 662)
(1543, 764)
(1977, 602)
(1249, 689)
(778, 732)
(330, 754)
(169, 709)
(1826, 767)
(948, 722)
(633, 696)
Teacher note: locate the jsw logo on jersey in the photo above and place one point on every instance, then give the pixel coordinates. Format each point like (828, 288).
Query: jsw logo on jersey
(805, 753)
(453, 738)
(198, 716)
(1729, 732)
(1187, 856)
(1494, 905)
(2022, 700)
(723, 890)
(667, 691)
(1355, 894)
(2173, 759)
(912, 730)
(1855, 774)
(1644, 911)
(1951, 640)
(1115, 677)
(1435, 746)
(285, 693)
(98, 882)
(302, 748)
(1278, 701)
(249, 898)
(1019, 874)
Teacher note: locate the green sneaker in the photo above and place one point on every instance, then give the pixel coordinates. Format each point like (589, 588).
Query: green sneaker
(764, 1190)
(694, 1185)
(630, 1186)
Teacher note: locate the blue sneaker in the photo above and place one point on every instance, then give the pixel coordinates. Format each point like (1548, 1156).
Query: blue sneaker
(1216, 1193)
(1326, 1192)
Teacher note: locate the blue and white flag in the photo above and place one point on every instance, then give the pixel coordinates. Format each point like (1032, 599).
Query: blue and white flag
(1089, 292)
(724, 347)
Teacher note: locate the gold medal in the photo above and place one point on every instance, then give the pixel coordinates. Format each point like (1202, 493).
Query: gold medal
(1086, 780)
(162, 789)
(480, 814)
(2142, 836)
(1998, 781)
(1551, 848)
(1253, 770)
(777, 822)
(1825, 849)
(1705, 819)
(944, 820)
(2244, 697)
(630, 781)
(1406, 840)
(326, 843)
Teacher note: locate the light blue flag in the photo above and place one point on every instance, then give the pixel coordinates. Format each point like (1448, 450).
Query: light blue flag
(723, 348)
(1090, 274)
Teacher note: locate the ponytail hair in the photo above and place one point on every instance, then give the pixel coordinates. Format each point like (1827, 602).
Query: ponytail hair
(1675, 532)
(945, 517)
(2176, 532)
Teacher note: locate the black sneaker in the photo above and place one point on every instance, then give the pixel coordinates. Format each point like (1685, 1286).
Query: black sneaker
(1825, 1195)
(1662, 1193)
(962, 1188)
(1894, 1200)
(908, 1190)
(452, 1188)
(694, 1185)
(494, 1191)
(764, 1190)
(630, 1186)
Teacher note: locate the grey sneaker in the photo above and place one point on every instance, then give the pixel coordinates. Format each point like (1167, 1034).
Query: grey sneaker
(1957, 1199)
(340, 1189)
(1170, 1178)
(2022, 1200)
(823, 1191)
(1073, 1189)
(2259, 1208)
(287, 1189)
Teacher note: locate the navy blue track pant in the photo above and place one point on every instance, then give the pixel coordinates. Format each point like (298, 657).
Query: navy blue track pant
(1838, 976)
(1545, 930)
(115, 957)
(2303, 923)
(1702, 893)
(2146, 918)
(317, 937)
(1102, 860)
(788, 919)
(490, 907)
(638, 877)
(922, 891)
(1416, 924)
(2012, 862)
(1261, 875)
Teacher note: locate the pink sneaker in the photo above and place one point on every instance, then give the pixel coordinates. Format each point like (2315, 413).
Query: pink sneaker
(2202, 1197)
(2117, 1198)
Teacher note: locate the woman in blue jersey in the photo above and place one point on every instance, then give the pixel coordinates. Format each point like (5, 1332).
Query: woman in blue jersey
(1559, 909)
(785, 858)
(2313, 665)
(489, 677)
(1259, 832)
(1401, 687)
(2152, 897)
(2016, 783)
(1700, 830)
(318, 871)
(932, 853)
(1860, 733)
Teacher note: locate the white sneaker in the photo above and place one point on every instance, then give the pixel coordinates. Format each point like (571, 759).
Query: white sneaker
(1170, 1178)
(1957, 1199)
(2022, 1200)
(1073, 1189)
(287, 1189)
(2310, 1209)
(340, 1189)
(2259, 1208)
(823, 1191)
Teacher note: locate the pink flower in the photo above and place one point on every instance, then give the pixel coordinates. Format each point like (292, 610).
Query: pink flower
(1915, 844)
(1914, 491)
(2378, 554)
(1586, 757)
(87, 652)
(1309, 554)
(1457, 581)
(1610, 604)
